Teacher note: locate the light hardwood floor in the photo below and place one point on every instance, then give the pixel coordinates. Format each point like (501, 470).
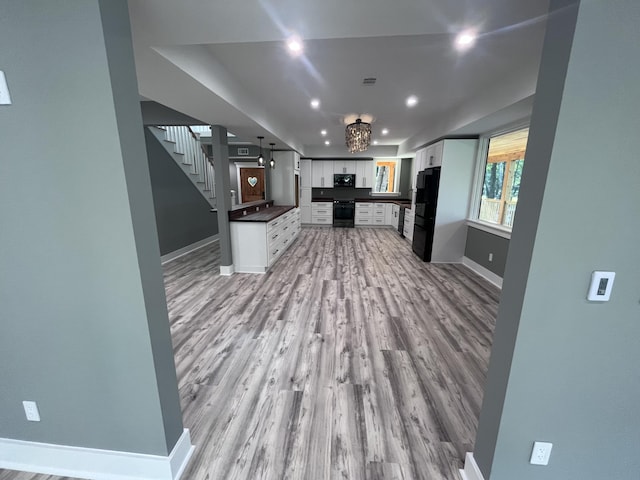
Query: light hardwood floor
(350, 359)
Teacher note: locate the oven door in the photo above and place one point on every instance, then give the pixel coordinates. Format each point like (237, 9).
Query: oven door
(343, 214)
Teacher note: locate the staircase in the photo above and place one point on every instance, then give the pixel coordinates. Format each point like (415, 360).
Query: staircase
(185, 148)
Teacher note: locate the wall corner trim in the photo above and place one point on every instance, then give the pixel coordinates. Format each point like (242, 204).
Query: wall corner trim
(188, 249)
(227, 270)
(482, 271)
(471, 470)
(81, 462)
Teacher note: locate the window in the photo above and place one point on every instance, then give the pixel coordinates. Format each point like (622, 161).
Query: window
(502, 175)
(387, 176)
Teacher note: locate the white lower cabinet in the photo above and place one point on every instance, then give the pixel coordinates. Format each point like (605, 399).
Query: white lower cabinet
(375, 213)
(256, 246)
(322, 213)
(394, 213)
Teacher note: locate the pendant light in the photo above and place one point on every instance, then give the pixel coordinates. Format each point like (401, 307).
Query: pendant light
(272, 162)
(260, 158)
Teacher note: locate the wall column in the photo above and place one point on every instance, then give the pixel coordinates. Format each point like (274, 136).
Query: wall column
(565, 370)
(220, 151)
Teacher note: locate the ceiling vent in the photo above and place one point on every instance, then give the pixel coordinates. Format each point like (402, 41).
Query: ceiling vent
(369, 81)
(243, 151)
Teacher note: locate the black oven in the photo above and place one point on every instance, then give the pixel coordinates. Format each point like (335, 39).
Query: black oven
(344, 213)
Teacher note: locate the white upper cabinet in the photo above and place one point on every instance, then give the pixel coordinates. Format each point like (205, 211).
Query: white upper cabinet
(364, 174)
(305, 173)
(322, 173)
(344, 166)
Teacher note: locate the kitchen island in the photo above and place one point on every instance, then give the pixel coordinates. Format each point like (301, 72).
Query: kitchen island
(258, 239)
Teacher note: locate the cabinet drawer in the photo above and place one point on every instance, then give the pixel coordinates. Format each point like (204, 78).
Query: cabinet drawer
(323, 220)
(364, 221)
(364, 206)
(322, 212)
(378, 221)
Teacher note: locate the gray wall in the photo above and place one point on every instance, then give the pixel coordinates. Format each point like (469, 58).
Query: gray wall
(183, 215)
(85, 331)
(480, 244)
(564, 370)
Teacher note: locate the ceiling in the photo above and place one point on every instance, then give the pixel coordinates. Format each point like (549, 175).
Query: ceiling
(226, 63)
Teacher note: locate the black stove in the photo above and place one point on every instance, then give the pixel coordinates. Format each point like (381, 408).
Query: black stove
(344, 213)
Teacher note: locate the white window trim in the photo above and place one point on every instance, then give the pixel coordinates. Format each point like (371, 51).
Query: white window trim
(492, 228)
(476, 191)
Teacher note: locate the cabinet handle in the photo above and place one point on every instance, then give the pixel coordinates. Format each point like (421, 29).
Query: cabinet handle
(364, 181)
(322, 181)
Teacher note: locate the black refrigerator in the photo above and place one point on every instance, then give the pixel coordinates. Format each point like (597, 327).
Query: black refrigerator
(427, 185)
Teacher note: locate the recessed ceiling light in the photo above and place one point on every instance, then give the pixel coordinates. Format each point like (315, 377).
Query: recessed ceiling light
(323, 133)
(385, 131)
(315, 103)
(375, 142)
(295, 46)
(465, 40)
(412, 101)
(327, 142)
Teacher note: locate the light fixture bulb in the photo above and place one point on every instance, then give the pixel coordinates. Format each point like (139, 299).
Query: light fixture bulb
(385, 131)
(327, 142)
(315, 103)
(272, 162)
(260, 157)
(465, 40)
(323, 133)
(412, 101)
(295, 46)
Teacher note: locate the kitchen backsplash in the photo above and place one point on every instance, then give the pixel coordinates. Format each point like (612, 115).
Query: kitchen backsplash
(342, 193)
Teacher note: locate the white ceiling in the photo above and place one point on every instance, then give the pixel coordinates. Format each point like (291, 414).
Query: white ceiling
(226, 63)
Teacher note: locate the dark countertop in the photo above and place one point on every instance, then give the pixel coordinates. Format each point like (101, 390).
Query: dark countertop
(403, 202)
(265, 214)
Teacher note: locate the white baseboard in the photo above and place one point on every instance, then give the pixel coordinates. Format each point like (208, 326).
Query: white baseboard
(482, 271)
(471, 470)
(95, 464)
(227, 270)
(188, 249)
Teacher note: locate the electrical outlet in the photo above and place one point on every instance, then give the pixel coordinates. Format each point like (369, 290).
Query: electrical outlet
(541, 453)
(31, 411)
(491, 257)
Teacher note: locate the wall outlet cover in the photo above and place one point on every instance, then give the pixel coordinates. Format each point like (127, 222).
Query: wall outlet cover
(540, 453)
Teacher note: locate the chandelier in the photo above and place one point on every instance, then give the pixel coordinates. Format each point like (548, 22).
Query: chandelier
(358, 136)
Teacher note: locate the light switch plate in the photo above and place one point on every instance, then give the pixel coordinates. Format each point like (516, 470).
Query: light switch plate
(601, 286)
(5, 98)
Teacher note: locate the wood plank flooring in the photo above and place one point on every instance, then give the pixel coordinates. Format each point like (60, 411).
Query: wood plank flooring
(350, 359)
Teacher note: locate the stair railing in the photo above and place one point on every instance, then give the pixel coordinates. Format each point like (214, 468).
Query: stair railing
(195, 155)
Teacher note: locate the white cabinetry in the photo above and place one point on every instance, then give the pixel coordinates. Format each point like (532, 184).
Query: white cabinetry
(322, 173)
(364, 174)
(322, 213)
(344, 166)
(256, 246)
(395, 216)
(379, 214)
(369, 213)
(305, 191)
(305, 173)
(364, 213)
